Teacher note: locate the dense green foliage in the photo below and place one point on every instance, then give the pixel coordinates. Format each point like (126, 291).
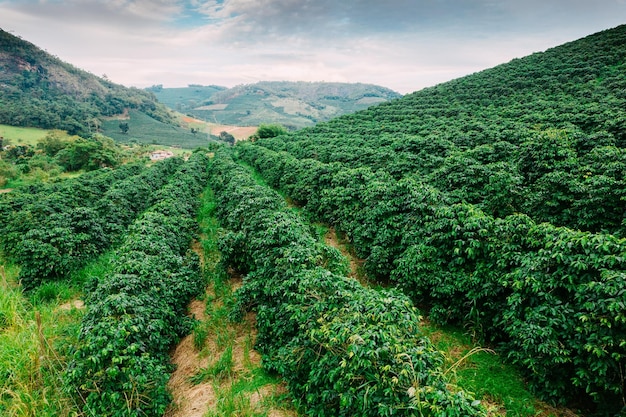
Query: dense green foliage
(268, 131)
(76, 153)
(39, 90)
(344, 349)
(51, 229)
(495, 201)
(292, 104)
(56, 153)
(121, 363)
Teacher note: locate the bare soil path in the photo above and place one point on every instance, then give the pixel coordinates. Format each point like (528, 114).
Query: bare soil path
(243, 388)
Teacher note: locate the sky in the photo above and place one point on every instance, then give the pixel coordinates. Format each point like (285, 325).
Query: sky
(405, 45)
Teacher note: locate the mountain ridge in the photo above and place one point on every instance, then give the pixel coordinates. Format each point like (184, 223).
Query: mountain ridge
(295, 104)
(40, 90)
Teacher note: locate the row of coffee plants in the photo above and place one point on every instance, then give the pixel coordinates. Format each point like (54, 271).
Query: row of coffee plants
(344, 349)
(25, 207)
(52, 230)
(552, 298)
(544, 135)
(120, 366)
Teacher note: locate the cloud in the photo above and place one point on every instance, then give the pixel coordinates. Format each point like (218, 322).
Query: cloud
(120, 13)
(260, 20)
(401, 44)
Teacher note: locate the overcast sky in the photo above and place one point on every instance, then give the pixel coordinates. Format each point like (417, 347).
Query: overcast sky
(405, 45)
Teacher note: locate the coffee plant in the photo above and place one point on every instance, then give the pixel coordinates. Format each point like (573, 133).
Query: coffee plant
(549, 297)
(55, 229)
(120, 366)
(344, 349)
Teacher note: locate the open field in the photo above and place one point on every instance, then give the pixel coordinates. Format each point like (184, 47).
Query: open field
(22, 135)
(239, 132)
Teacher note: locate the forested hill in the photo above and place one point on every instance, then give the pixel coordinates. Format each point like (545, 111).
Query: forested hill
(543, 135)
(39, 90)
(292, 104)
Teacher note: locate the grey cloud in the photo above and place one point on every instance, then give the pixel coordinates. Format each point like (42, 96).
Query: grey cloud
(260, 20)
(332, 19)
(117, 13)
(402, 44)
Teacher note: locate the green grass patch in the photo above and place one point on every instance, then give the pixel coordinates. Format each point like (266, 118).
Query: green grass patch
(482, 372)
(22, 135)
(142, 129)
(256, 379)
(34, 341)
(221, 369)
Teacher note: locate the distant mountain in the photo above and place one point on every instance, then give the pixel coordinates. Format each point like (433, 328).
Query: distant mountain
(39, 90)
(292, 104)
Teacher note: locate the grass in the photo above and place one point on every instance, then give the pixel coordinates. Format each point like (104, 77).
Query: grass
(145, 130)
(221, 369)
(35, 337)
(22, 135)
(482, 372)
(241, 386)
(37, 331)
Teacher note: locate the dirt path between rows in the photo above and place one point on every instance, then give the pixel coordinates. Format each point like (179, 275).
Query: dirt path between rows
(197, 398)
(189, 400)
(355, 264)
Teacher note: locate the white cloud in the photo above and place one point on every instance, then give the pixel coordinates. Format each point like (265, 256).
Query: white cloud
(401, 44)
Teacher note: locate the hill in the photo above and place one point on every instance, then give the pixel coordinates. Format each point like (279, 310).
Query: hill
(495, 201)
(292, 104)
(39, 90)
(183, 99)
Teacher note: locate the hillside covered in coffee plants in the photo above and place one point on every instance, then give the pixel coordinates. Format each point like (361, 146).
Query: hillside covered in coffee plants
(496, 202)
(493, 203)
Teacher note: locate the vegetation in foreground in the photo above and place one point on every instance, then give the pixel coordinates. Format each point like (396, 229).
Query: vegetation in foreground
(37, 332)
(495, 203)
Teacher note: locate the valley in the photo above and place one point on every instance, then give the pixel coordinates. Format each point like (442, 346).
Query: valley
(457, 251)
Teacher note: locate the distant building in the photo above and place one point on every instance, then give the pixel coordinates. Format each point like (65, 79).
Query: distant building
(160, 155)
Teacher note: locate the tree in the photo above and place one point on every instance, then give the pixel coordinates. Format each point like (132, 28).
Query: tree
(269, 131)
(94, 125)
(227, 137)
(124, 127)
(53, 142)
(18, 152)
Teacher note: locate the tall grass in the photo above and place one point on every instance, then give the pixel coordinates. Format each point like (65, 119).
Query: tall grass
(37, 331)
